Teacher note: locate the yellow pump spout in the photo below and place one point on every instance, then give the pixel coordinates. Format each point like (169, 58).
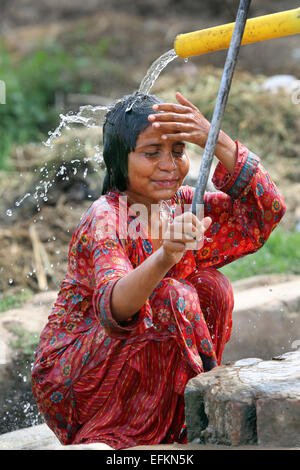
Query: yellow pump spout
(257, 29)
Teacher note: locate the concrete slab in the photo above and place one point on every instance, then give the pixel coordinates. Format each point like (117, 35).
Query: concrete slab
(40, 437)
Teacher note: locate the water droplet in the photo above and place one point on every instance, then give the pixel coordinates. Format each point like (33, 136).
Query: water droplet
(18, 203)
(9, 213)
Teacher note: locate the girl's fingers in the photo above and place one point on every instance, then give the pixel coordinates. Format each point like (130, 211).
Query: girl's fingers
(184, 101)
(175, 108)
(170, 117)
(171, 127)
(187, 231)
(184, 105)
(185, 136)
(206, 222)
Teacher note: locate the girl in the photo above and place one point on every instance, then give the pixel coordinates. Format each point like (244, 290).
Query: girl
(143, 307)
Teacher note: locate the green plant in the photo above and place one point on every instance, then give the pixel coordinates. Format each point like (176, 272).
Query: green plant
(280, 254)
(13, 301)
(32, 85)
(26, 342)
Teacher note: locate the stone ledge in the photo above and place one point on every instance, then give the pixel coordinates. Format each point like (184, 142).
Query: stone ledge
(251, 401)
(266, 317)
(250, 404)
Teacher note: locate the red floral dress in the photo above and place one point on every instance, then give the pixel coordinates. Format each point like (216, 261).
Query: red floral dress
(123, 383)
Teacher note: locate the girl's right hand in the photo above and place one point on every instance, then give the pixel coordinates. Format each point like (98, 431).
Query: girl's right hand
(184, 233)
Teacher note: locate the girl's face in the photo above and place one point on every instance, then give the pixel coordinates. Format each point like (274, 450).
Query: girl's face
(157, 167)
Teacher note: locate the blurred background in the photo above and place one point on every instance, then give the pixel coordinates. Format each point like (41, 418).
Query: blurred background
(56, 56)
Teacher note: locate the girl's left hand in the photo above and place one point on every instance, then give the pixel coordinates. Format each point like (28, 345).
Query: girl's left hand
(181, 121)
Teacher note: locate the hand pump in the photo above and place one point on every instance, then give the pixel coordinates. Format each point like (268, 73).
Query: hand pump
(221, 101)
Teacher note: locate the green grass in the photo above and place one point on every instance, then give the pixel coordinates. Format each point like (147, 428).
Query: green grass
(280, 254)
(14, 301)
(26, 342)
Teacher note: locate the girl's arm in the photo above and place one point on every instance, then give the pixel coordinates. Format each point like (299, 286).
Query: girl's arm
(131, 291)
(244, 212)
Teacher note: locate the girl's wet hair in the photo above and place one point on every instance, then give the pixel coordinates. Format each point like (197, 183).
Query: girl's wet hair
(125, 120)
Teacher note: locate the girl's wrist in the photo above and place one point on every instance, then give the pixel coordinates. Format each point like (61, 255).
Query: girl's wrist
(163, 260)
(226, 151)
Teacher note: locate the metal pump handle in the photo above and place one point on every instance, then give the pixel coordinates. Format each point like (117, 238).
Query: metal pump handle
(221, 101)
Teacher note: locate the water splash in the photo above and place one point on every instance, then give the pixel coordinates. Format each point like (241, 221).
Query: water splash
(88, 116)
(18, 203)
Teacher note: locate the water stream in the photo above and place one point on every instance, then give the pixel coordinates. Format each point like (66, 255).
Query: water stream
(94, 116)
(155, 70)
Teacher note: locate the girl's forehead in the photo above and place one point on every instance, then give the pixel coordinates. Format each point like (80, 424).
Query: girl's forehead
(149, 136)
(153, 136)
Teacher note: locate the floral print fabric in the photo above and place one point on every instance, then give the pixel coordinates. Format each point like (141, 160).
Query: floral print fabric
(95, 379)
